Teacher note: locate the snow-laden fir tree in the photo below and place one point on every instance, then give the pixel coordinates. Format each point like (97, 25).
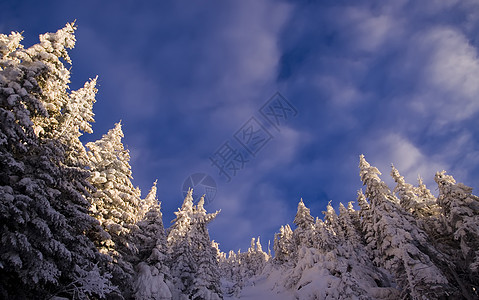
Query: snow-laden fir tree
(404, 249)
(331, 219)
(284, 245)
(153, 278)
(416, 200)
(115, 204)
(76, 118)
(240, 269)
(194, 261)
(332, 267)
(206, 284)
(230, 271)
(150, 233)
(44, 212)
(303, 234)
(460, 216)
(254, 260)
(348, 223)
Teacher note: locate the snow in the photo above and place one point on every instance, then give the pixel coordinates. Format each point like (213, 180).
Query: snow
(151, 284)
(263, 287)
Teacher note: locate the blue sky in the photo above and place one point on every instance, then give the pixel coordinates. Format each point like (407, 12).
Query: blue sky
(395, 80)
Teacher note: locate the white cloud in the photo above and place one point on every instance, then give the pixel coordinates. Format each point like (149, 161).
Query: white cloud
(250, 36)
(368, 31)
(450, 78)
(339, 91)
(406, 157)
(281, 150)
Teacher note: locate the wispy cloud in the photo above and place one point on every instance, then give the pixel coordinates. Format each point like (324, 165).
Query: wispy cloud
(397, 81)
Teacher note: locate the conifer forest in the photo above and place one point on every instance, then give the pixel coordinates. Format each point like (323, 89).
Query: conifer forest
(73, 225)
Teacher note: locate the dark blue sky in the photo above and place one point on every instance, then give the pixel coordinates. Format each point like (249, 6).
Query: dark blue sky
(397, 81)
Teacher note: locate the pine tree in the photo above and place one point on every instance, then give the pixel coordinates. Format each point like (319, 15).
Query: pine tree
(348, 222)
(403, 247)
(255, 259)
(194, 264)
(360, 271)
(230, 271)
(76, 118)
(115, 204)
(284, 245)
(304, 222)
(416, 200)
(331, 219)
(150, 233)
(153, 278)
(44, 250)
(460, 212)
(206, 284)
(338, 255)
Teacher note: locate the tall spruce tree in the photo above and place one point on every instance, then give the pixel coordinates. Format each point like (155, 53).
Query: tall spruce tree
(304, 222)
(460, 217)
(45, 212)
(283, 245)
(415, 200)
(153, 278)
(403, 247)
(194, 263)
(115, 204)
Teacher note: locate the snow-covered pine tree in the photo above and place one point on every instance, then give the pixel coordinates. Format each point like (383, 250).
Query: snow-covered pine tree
(423, 192)
(334, 267)
(44, 250)
(283, 245)
(460, 210)
(76, 117)
(403, 247)
(153, 278)
(150, 233)
(348, 221)
(194, 263)
(331, 220)
(325, 237)
(206, 284)
(181, 263)
(367, 228)
(240, 269)
(231, 274)
(415, 200)
(115, 204)
(303, 234)
(255, 259)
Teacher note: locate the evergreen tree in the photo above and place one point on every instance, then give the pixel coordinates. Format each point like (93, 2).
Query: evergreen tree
(336, 266)
(304, 222)
(153, 278)
(206, 284)
(230, 271)
(115, 204)
(348, 222)
(255, 259)
(416, 200)
(404, 248)
(331, 219)
(460, 212)
(76, 118)
(194, 263)
(150, 233)
(45, 212)
(283, 245)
